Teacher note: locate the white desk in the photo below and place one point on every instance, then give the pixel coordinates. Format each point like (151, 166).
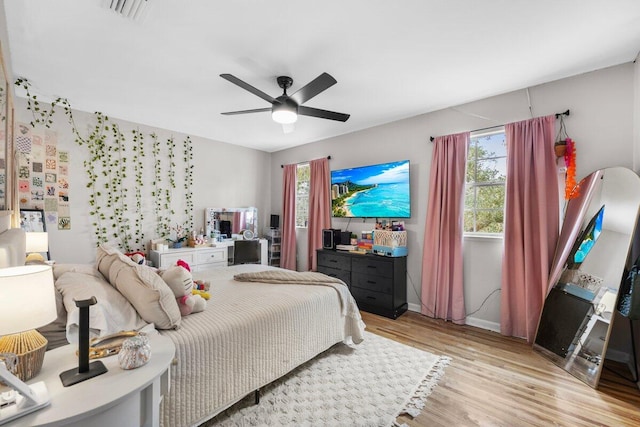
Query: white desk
(117, 398)
(202, 258)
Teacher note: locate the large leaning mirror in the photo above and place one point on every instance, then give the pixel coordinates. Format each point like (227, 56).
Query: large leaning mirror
(587, 270)
(228, 223)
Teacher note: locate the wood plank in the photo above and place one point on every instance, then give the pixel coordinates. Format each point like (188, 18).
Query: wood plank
(500, 381)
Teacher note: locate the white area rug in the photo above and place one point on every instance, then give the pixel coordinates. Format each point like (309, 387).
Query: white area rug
(365, 385)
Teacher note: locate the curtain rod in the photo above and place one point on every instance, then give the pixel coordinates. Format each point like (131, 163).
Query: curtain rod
(558, 115)
(299, 163)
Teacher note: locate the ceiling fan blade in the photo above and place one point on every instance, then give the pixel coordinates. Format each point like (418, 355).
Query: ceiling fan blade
(321, 83)
(257, 110)
(248, 87)
(322, 114)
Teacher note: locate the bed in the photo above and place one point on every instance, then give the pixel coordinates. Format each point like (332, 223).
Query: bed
(249, 335)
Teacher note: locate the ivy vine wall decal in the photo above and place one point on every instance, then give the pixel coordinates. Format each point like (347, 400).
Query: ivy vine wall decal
(116, 179)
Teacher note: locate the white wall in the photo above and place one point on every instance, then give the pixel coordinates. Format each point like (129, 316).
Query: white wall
(224, 176)
(601, 122)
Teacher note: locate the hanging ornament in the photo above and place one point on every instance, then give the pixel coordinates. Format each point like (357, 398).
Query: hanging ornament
(571, 189)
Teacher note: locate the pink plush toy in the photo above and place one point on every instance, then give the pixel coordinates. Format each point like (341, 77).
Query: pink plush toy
(180, 281)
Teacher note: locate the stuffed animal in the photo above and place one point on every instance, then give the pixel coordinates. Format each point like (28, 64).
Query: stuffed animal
(179, 279)
(201, 287)
(137, 257)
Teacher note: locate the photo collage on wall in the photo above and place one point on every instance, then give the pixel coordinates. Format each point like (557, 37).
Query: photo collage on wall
(43, 175)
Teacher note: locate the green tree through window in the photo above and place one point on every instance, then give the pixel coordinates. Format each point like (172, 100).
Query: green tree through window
(485, 182)
(303, 173)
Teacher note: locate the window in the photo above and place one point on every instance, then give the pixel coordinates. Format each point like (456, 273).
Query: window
(303, 173)
(485, 182)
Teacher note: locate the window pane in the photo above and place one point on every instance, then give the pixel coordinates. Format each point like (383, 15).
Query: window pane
(469, 221)
(489, 221)
(490, 197)
(485, 177)
(492, 146)
(470, 197)
(492, 170)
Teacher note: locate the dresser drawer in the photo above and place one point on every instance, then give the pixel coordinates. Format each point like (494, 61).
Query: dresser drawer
(168, 259)
(379, 267)
(372, 282)
(208, 256)
(333, 260)
(343, 275)
(371, 298)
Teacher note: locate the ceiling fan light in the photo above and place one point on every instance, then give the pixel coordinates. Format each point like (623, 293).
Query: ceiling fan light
(284, 116)
(284, 111)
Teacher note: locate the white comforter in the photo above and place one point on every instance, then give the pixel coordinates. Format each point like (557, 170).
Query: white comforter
(249, 335)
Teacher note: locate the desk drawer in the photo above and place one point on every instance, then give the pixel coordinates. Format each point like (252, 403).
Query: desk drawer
(372, 266)
(372, 283)
(343, 275)
(211, 255)
(333, 260)
(371, 298)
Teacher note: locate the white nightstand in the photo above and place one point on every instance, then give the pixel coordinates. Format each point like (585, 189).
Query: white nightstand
(117, 398)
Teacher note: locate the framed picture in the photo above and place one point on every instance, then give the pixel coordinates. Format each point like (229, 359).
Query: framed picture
(32, 220)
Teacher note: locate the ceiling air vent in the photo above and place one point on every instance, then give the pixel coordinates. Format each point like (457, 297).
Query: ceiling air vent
(132, 9)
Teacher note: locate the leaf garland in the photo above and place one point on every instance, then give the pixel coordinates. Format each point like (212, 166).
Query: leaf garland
(106, 169)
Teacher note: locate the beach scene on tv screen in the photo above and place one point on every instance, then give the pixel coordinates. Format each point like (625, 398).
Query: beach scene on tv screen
(376, 191)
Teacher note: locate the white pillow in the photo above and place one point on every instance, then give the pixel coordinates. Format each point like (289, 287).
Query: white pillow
(112, 313)
(142, 286)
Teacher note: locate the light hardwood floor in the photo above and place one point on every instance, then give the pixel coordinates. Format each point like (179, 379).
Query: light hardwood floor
(499, 381)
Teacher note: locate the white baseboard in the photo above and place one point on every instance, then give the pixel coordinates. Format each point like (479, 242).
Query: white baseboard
(471, 321)
(483, 324)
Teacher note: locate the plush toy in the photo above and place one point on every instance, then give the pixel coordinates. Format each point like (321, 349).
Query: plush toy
(201, 287)
(137, 257)
(179, 279)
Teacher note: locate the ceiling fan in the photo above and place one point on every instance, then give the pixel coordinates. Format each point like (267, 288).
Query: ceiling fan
(286, 108)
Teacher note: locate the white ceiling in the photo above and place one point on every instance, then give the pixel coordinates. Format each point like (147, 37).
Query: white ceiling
(392, 59)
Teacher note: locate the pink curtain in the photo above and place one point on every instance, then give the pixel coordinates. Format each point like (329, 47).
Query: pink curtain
(442, 285)
(531, 224)
(319, 206)
(288, 241)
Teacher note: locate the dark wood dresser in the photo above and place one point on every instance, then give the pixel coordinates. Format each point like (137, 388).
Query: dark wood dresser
(378, 283)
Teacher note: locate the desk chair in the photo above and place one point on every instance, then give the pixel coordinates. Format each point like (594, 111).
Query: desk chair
(246, 252)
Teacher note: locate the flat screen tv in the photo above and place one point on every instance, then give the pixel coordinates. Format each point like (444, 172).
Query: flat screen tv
(375, 191)
(586, 239)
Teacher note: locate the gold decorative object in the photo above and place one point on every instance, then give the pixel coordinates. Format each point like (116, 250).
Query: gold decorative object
(108, 345)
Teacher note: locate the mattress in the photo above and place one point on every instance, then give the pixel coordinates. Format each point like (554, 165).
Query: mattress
(249, 335)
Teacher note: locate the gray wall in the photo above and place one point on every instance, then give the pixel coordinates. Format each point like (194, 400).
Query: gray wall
(224, 176)
(601, 123)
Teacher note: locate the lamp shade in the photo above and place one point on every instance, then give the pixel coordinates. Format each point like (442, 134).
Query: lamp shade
(37, 241)
(285, 112)
(27, 298)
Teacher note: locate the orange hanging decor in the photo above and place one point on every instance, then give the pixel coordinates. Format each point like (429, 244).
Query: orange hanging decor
(571, 189)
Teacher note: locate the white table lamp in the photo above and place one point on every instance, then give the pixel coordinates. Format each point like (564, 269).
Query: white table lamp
(27, 301)
(37, 242)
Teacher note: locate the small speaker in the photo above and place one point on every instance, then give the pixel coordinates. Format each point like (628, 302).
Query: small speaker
(330, 238)
(275, 221)
(345, 237)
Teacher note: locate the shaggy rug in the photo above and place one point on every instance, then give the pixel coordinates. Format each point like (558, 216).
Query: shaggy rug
(369, 384)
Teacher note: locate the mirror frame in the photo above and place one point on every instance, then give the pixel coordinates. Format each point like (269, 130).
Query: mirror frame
(581, 358)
